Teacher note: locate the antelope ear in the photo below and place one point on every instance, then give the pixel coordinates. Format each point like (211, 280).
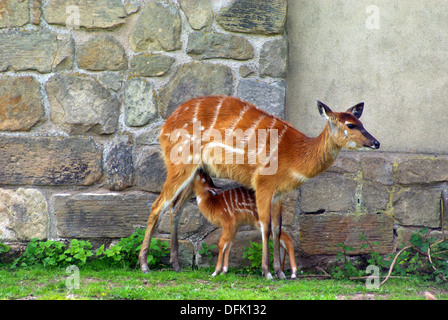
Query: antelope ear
(215, 191)
(324, 110)
(356, 110)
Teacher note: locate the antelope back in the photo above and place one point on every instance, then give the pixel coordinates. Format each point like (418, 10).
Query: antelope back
(233, 138)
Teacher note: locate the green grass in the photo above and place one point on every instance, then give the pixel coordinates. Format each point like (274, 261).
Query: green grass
(111, 284)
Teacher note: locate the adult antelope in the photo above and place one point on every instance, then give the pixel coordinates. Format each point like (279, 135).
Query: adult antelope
(231, 209)
(270, 164)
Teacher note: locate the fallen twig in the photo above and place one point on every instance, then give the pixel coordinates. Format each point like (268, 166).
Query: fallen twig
(393, 263)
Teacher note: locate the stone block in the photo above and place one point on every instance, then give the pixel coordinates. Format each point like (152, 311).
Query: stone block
(192, 80)
(139, 102)
(158, 28)
(377, 169)
(185, 254)
(108, 215)
(20, 103)
(199, 13)
(328, 192)
(39, 51)
(418, 206)
(81, 105)
(119, 164)
(273, 58)
(289, 207)
(190, 222)
(102, 53)
(152, 65)
(422, 170)
(254, 16)
(375, 197)
(49, 161)
(13, 13)
(23, 215)
(268, 96)
(210, 45)
(321, 233)
(85, 13)
(150, 171)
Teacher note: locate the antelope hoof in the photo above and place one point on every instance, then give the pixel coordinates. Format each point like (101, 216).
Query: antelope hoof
(269, 276)
(281, 275)
(144, 268)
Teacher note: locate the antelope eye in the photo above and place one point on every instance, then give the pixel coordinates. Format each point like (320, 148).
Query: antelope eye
(350, 126)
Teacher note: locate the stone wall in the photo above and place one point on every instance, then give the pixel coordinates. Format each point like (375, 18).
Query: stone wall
(85, 87)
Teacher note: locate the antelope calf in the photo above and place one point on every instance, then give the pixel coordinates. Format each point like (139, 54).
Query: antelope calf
(230, 209)
(262, 152)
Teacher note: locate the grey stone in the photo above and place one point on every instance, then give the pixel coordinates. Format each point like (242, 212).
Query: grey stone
(108, 215)
(131, 6)
(81, 105)
(377, 169)
(273, 58)
(85, 13)
(199, 13)
(192, 80)
(49, 161)
(422, 170)
(419, 206)
(254, 16)
(328, 192)
(209, 45)
(102, 53)
(139, 102)
(322, 233)
(247, 70)
(119, 165)
(269, 97)
(375, 197)
(23, 215)
(13, 13)
(190, 222)
(150, 136)
(40, 51)
(150, 172)
(153, 65)
(158, 27)
(20, 103)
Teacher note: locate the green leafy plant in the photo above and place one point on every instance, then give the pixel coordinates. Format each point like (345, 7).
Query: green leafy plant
(52, 253)
(4, 248)
(125, 252)
(206, 251)
(345, 267)
(254, 254)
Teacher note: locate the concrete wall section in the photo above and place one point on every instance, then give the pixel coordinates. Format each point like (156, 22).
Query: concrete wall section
(391, 54)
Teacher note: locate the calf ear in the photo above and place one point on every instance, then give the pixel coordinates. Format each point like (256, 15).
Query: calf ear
(356, 110)
(215, 191)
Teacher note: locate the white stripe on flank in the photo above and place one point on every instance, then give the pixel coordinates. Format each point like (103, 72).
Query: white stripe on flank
(251, 131)
(218, 107)
(242, 112)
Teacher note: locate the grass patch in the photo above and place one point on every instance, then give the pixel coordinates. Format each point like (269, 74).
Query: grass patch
(125, 284)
